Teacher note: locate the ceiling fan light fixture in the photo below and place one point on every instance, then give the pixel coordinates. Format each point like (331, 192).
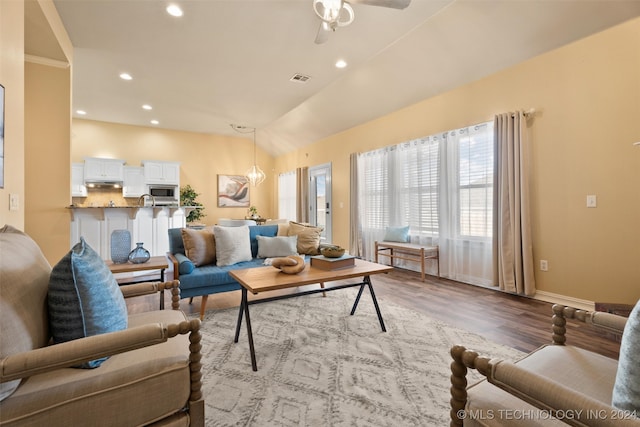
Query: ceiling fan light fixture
(335, 13)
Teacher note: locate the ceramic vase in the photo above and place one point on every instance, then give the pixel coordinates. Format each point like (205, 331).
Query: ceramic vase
(139, 254)
(120, 246)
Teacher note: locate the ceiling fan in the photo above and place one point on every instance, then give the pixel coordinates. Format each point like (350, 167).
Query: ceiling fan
(339, 13)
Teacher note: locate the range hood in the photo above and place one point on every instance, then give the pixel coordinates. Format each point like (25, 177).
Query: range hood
(103, 184)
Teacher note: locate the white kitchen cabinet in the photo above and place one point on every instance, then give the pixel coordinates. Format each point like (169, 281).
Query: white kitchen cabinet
(89, 226)
(147, 224)
(101, 170)
(134, 182)
(78, 189)
(157, 172)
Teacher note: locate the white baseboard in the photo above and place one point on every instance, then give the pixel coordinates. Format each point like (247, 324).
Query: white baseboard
(582, 304)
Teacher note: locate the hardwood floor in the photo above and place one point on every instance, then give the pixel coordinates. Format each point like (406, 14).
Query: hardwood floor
(518, 322)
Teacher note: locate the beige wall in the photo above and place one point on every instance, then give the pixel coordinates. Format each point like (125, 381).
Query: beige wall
(588, 99)
(47, 177)
(37, 125)
(202, 158)
(12, 78)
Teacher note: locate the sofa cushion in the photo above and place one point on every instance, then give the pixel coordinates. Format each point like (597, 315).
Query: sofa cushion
(84, 298)
(23, 297)
(232, 245)
(154, 381)
(626, 390)
(199, 245)
(270, 247)
(397, 234)
(210, 279)
(308, 237)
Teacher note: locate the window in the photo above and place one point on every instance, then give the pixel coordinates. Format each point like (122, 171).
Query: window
(442, 187)
(476, 181)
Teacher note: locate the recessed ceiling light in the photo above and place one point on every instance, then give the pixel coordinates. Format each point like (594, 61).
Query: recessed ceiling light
(174, 10)
(147, 107)
(341, 63)
(155, 122)
(81, 112)
(126, 76)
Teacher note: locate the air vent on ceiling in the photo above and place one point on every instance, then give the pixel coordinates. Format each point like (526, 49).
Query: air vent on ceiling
(300, 78)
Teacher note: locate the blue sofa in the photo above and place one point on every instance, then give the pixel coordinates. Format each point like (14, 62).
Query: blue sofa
(211, 279)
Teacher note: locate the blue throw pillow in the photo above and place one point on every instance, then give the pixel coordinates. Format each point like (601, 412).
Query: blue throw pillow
(397, 234)
(84, 298)
(185, 266)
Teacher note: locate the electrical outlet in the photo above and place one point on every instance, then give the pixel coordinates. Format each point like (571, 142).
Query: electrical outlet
(544, 265)
(592, 201)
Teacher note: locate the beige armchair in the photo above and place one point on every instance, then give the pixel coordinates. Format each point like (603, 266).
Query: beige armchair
(152, 375)
(554, 385)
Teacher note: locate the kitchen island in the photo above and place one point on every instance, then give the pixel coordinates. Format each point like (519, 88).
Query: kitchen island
(147, 224)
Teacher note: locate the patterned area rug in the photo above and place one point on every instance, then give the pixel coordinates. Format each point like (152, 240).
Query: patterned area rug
(319, 366)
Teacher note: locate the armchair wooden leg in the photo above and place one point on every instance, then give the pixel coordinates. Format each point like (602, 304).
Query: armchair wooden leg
(203, 306)
(324, 294)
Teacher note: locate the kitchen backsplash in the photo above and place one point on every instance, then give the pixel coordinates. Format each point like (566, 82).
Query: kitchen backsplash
(99, 197)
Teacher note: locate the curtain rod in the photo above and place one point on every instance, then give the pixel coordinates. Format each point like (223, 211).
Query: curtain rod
(528, 113)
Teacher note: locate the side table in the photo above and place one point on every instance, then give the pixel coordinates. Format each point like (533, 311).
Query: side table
(154, 263)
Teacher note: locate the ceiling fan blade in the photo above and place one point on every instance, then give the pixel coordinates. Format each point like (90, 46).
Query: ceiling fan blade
(323, 33)
(394, 4)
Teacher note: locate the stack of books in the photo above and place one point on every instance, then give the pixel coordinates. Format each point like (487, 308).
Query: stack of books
(323, 263)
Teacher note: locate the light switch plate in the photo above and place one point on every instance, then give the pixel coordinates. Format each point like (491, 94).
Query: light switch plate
(14, 202)
(591, 201)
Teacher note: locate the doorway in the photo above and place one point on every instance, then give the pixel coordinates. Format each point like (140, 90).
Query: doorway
(320, 199)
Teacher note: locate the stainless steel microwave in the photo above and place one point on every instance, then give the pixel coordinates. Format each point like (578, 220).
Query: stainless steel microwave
(164, 194)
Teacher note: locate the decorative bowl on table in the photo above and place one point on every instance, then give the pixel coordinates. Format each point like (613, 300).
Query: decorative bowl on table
(332, 251)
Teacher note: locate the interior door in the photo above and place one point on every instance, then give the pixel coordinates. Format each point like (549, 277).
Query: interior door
(320, 199)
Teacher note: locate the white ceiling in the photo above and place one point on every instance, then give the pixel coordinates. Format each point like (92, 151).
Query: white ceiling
(230, 61)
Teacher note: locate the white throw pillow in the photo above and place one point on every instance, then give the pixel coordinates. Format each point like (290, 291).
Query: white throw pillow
(232, 245)
(271, 247)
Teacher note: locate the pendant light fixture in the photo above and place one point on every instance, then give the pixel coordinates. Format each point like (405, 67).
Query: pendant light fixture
(255, 174)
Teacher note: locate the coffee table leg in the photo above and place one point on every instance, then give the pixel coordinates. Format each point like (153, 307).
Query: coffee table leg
(367, 282)
(375, 303)
(355, 304)
(239, 322)
(254, 364)
(162, 291)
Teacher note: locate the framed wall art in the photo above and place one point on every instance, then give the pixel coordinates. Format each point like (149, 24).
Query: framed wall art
(233, 191)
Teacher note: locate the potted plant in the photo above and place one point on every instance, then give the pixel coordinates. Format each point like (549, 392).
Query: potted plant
(188, 198)
(253, 213)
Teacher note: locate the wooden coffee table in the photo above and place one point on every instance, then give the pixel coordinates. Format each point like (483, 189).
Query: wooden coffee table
(265, 279)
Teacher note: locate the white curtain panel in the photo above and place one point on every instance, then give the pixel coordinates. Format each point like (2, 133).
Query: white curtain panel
(355, 235)
(466, 205)
(287, 195)
(372, 198)
(513, 238)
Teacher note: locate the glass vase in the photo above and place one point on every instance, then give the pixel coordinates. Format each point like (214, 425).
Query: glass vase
(139, 254)
(120, 246)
